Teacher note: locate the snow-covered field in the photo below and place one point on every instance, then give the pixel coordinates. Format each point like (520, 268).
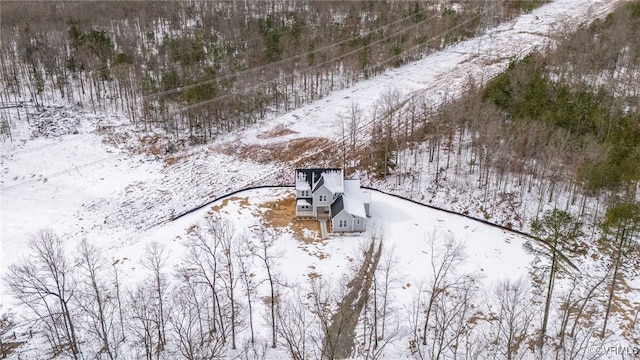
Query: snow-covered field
(405, 227)
(407, 230)
(83, 185)
(490, 254)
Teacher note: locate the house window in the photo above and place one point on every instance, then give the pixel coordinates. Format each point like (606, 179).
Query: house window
(358, 221)
(305, 193)
(342, 223)
(323, 198)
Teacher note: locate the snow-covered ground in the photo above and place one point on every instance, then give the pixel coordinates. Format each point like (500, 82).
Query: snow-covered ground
(490, 254)
(404, 226)
(83, 184)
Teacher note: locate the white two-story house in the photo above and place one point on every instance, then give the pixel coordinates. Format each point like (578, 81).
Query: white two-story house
(324, 194)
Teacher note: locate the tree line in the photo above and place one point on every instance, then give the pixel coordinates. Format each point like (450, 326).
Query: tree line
(83, 307)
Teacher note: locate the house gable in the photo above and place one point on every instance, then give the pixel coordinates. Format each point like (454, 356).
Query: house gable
(342, 223)
(318, 184)
(322, 196)
(341, 220)
(334, 181)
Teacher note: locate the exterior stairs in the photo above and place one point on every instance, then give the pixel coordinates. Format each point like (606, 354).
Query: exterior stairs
(324, 234)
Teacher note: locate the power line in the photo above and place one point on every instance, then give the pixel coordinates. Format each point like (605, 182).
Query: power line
(363, 126)
(399, 105)
(279, 62)
(366, 125)
(221, 97)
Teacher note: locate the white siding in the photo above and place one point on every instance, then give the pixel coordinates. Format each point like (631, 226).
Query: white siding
(358, 223)
(304, 210)
(322, 191)
(342, 218)
(303, 194)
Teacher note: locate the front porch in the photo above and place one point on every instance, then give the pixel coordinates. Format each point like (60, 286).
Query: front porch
(323, 212)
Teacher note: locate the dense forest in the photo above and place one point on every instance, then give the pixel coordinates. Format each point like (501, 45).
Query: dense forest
(194, 69)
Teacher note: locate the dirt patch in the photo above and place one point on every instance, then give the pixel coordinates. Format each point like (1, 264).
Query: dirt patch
(116, 139)
(277, 131)
(242, 202)
(151, 145)
(192, 229)
(8, 347)
(171, 160)
(267, 299)
(157, 146)
(146, 145)
(626, 308)
(311, 251)
(281, 213)
(312, 273)
(315, 151)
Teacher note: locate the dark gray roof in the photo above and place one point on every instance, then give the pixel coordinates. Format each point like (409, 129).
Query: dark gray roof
(320, 183)
(337, 206)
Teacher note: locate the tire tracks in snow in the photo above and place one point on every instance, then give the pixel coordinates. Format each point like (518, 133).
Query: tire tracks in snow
(56, 174)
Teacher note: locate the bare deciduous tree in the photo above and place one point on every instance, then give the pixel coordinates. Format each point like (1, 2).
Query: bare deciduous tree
(44, 283)
(579, 315)
(443, 267)
(443, 314)
(452, 320)
(294, 324)
(242, 253)
(144, 321)
(264, 251)
(202, 257)
(155, 259)
(223, 233)
(510, 321)
(97, 304)
(192, 321)
(379, 320)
